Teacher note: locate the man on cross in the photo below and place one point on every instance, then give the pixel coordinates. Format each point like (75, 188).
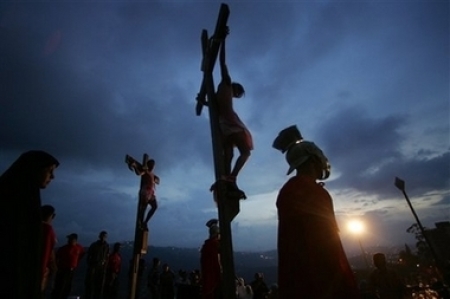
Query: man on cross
(147, 189)
(234, 132)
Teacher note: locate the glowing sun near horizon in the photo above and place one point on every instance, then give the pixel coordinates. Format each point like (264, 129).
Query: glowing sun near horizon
(356, 227)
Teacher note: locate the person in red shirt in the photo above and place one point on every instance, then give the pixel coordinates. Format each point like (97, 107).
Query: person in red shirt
(311, 260)
(67, 258)
(112, 273)
(48, 245)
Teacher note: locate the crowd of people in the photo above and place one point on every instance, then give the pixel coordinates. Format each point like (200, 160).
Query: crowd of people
(163, 283)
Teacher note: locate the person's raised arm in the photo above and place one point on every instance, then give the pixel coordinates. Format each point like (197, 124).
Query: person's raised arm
(139, 170)
(223, 66)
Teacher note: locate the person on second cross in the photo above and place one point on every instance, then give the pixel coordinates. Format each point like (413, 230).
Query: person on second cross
(384, 283)
(147, 190)
(97, 258)
(211, 269)
(234, 132)
(311, 260)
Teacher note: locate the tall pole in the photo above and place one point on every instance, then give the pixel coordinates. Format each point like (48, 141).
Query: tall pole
(400, 184)
(228, 208)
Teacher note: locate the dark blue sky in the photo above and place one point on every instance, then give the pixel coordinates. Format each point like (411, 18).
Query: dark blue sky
(366, 81)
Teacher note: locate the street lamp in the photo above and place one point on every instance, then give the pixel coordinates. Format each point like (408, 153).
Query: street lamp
(357, 227)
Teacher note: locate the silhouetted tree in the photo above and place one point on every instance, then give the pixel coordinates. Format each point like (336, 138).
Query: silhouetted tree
(424, 254)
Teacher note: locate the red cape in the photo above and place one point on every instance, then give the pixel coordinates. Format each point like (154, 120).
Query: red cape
(311, 260)
(210, 268)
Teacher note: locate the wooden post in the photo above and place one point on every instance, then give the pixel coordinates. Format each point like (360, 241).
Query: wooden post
(140, 233)
(228, 207)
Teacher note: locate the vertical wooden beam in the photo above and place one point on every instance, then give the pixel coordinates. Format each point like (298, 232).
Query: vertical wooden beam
(140, 237)
(210, 50)
(228, 208)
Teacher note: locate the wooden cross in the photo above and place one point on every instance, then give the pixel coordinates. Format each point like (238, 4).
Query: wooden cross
(141, 232)
(228, 208)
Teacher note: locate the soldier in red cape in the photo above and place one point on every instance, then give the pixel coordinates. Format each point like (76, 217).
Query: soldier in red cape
(311, 260)
(210, 263)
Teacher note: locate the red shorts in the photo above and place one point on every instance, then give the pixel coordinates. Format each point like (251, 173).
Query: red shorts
(148, 195)
(242, 140)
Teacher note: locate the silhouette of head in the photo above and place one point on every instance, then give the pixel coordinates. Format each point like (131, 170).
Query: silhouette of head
(214, 230)
(117, 247)
(303, 151)
(103, 235)
(156, 261)
(47, 211)
(379, 260)
(259, 276)
(150, 164)
(238, 90)
(32, 168)
(72, 238)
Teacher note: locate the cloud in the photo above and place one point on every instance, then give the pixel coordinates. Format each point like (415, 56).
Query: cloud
(367, 154)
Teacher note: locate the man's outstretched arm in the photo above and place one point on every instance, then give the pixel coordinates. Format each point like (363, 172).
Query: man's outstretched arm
(223, 66)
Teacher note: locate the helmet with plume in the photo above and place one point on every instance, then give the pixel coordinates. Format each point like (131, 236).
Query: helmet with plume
(298, 151)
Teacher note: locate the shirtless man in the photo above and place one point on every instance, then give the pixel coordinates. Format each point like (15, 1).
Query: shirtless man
(147, 189)
(234, 132)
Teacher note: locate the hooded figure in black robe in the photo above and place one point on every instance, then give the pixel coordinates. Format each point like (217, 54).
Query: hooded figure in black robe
(20, 227)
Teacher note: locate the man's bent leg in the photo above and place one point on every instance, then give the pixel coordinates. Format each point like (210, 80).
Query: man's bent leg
(240, 139)
(228, 156)
(143, 200)
(153, 206)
